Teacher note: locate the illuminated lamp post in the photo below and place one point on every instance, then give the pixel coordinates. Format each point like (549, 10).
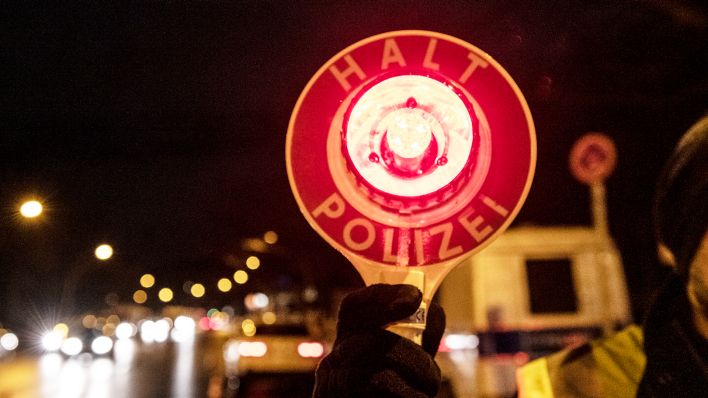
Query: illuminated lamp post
(103, 252)
(31, 209)
(408, 152)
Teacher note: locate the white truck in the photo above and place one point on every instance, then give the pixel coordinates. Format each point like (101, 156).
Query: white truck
(535, 290)
(537, 278)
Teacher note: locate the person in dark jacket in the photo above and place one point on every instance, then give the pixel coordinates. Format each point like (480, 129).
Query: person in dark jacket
(667, 356)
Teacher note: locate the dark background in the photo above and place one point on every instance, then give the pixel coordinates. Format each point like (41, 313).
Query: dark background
(159, 126)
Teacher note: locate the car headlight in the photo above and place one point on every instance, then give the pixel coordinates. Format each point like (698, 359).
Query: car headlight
(101, 345)
(72, 346)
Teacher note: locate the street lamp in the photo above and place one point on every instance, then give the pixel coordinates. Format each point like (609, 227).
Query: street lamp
(104, 252)
(270, 237)
(31, 209)
(240, 277)
(147, 281)
(198, 290)
(224, 285)
(165, 295)
(253, 262)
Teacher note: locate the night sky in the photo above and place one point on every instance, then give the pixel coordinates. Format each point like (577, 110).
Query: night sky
(160, 128)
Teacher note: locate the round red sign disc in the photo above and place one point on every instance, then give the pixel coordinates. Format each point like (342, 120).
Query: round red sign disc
(410, 148)
(593, 158)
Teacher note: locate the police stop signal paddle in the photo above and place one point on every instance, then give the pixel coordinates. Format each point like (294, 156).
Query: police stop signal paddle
(408, 152)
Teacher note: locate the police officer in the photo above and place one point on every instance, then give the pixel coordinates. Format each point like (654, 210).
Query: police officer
(667, 356)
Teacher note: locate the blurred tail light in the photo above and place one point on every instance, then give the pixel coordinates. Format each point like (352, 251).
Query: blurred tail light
(252, 349)
(310, 350)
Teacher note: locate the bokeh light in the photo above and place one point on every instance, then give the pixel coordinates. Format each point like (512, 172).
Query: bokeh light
(184, 329)
(140, 297)
(162, 330)
(31, 209)
(270, 237)
(256, 301)
(109, 329)
(253, 262)
(125, 331)
(52, 341)
(240, 277)
(9, 341)
(252, 349)
(62, 329)
(89, 321)
(310, 350)
(147, 281)
(104, 251)
(184, 323)
(248, 327)
(310, 294)
(269, 317)
(147, 331)
(101, 345)
(224, 285)
(72, 346)
(198, 290)
(165, 295)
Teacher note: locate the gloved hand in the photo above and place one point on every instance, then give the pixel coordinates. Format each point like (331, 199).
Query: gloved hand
(369, 361)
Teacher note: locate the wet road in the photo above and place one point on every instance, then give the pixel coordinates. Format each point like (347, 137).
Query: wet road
(135, 370)
(190, 369)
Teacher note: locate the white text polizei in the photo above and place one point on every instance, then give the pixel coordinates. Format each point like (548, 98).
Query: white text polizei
(474, 224)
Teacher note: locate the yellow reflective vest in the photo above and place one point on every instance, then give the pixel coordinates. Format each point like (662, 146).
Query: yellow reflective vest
(611, 367)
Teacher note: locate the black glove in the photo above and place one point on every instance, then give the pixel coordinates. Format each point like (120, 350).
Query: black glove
(369, 361)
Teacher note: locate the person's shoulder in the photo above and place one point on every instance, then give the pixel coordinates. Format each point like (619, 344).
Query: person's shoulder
(609, 367)
(624, 346)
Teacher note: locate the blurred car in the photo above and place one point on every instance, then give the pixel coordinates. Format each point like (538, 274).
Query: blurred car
(278, 360)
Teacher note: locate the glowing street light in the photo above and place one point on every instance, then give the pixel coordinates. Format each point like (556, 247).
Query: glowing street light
(248, 327)
(140, 297)
(269, 317)
(31, 209)
(165, 295)
(147, 281)
(62, 329)
(197, 290)
(240, 277)
(253, 262)
(224, 285)
(270, 237)
(104, 252)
